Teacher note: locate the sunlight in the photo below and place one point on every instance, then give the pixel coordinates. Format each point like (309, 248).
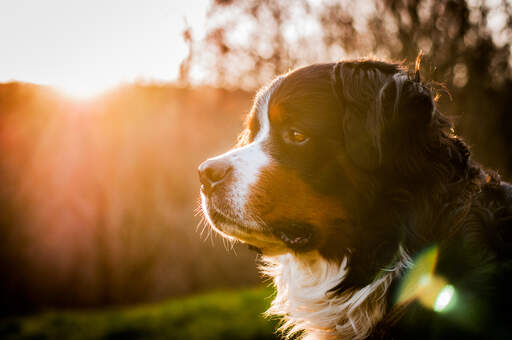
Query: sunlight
(83, 90)
(81, 59)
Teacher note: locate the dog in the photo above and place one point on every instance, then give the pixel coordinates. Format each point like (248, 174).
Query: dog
(370, 215)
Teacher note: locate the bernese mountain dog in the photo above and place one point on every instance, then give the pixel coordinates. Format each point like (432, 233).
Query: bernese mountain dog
(370, 215)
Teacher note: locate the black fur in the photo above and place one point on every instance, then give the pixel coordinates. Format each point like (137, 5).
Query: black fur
(382, 148)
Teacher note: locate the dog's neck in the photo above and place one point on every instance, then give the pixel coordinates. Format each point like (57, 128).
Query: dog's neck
(305, 304)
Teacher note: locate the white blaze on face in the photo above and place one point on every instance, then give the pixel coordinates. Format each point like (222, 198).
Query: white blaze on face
(249, 160)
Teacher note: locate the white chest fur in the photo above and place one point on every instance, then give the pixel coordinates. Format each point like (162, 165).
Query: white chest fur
(303, 300)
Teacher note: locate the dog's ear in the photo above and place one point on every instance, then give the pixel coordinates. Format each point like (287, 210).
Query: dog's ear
(414, 103)
(371, 97)
(357, 89)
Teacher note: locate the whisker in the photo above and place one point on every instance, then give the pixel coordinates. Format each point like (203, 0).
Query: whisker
(198, 209)
(205, 225)
(258, 220)
(210, 233)
(201, 221)
(233, 248)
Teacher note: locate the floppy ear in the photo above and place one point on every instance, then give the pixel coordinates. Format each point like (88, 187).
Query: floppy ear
(369, 98)
(413, 103)
(357, 90)
(361, 139)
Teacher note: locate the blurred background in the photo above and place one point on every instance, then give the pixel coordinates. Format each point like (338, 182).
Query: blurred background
(107, 109)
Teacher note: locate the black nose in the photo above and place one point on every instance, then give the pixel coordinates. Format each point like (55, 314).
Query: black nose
(213, 172)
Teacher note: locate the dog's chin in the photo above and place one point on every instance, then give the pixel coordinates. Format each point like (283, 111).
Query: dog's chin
(253, 235)
(270, 241)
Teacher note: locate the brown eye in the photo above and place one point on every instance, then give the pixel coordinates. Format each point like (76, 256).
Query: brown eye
(295, 137)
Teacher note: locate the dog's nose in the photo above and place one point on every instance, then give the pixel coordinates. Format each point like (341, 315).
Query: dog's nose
(213, 172)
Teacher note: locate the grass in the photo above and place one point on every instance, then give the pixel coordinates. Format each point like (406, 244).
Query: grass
(210, 316)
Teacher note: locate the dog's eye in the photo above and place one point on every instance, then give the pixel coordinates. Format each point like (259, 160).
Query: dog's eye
(295, 136)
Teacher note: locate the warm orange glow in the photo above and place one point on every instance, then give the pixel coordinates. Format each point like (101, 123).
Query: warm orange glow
(84, 91)
(103, 183)
(83, 49)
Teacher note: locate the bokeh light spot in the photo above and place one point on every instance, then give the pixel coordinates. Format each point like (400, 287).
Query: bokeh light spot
(444, 298)
(421, 283)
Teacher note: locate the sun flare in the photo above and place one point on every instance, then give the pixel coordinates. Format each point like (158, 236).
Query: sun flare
(83, 91)
(82, 50)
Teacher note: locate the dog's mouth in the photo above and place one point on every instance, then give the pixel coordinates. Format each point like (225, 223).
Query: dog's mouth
(297, 236)
(294, 235)
(219, 218)
(256, 237)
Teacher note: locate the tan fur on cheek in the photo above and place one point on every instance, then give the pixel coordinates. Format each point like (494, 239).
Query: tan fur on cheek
(281, 195)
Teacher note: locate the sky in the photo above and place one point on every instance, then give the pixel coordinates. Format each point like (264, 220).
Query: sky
(83, 48)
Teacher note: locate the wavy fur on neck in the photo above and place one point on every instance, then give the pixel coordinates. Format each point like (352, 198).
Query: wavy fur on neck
(310, 309)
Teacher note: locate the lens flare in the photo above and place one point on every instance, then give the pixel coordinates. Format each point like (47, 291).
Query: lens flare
(444, 298)
(419, 276)
(422, 284)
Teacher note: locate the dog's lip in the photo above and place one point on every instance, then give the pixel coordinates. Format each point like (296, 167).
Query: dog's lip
(295, 235)
(217, 216)
(295, 241)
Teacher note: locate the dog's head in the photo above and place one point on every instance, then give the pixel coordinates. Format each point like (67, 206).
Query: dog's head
(320, 145)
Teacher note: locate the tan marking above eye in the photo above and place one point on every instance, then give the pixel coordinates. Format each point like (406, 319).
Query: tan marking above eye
(276, 114)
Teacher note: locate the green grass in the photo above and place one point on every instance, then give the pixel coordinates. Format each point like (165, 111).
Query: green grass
(211, 316)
